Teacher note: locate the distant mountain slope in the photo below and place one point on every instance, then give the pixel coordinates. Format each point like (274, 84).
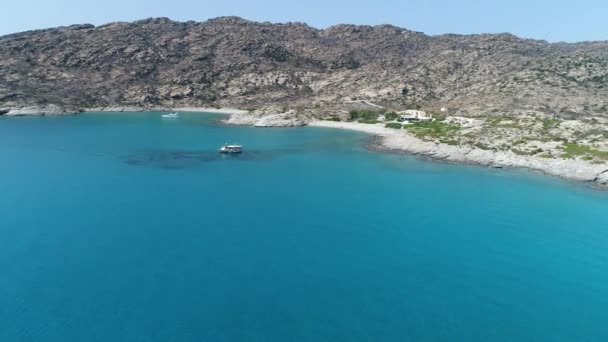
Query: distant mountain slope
(235, 62)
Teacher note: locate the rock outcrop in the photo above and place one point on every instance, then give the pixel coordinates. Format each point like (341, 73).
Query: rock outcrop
(271, 116)
(602, 178)
(39, 110)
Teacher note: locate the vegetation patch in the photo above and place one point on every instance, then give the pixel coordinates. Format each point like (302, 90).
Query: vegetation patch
(394, 125)
(277, 53)
(602, 133)
(391, 116)
(439, 117)
(550, 123)
(449, 142)
(483, 146)
(365, 114)
(526, 153)
(572, 150)
(432, 129)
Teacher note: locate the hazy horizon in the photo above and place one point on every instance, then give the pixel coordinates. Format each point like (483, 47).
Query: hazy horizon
(542, 19)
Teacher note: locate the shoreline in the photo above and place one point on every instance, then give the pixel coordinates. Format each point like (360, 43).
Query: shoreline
(387, 139)
(225, 111)
(55, 110)
(399, 140)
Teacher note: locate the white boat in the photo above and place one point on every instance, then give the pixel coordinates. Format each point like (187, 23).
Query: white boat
(231, 149)
(170, 116)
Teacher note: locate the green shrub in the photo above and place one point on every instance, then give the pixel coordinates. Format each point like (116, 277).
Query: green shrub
(526, 153)
(363, 115)
(483, 146)
(550, 123)
(278, 53)
(394, 125)
(391, 116)
(431, 129)
(439, 117)
(572, 150)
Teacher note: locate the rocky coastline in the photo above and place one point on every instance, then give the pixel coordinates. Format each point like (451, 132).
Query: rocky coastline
(58, 110)
(387, 139)
(400, 140)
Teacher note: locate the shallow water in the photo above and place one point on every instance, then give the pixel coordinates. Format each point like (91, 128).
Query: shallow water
(127, 227)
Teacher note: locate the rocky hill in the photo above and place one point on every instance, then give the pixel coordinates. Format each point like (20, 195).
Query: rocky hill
(233, 62)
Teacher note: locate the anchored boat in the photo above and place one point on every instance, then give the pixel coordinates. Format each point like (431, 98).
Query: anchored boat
(231, 149)
(171, 116)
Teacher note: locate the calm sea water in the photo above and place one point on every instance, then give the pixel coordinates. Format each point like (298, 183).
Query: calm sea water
(127, 227)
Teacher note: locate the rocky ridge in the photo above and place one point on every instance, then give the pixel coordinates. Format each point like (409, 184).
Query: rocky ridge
(232, 62)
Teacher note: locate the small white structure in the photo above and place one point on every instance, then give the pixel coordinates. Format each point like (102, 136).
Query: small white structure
(381, 118)
(415, 115)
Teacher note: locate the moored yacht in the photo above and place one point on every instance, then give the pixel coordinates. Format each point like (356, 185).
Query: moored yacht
(231, 149)
(171, 116)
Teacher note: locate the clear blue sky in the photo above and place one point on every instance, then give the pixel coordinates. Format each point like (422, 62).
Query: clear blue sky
(553, 20)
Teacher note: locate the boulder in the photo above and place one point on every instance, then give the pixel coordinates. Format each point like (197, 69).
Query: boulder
(41, 110)
(602, 179)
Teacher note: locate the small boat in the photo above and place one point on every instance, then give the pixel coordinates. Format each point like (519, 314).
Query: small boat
(170, 116)
(231, 149)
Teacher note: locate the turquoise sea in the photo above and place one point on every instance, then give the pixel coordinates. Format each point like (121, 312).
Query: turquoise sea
(126, 227)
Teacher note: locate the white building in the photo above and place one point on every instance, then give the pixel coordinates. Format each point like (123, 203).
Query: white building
(415, 115)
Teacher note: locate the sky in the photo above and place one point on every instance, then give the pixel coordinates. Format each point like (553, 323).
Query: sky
(552, 20)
